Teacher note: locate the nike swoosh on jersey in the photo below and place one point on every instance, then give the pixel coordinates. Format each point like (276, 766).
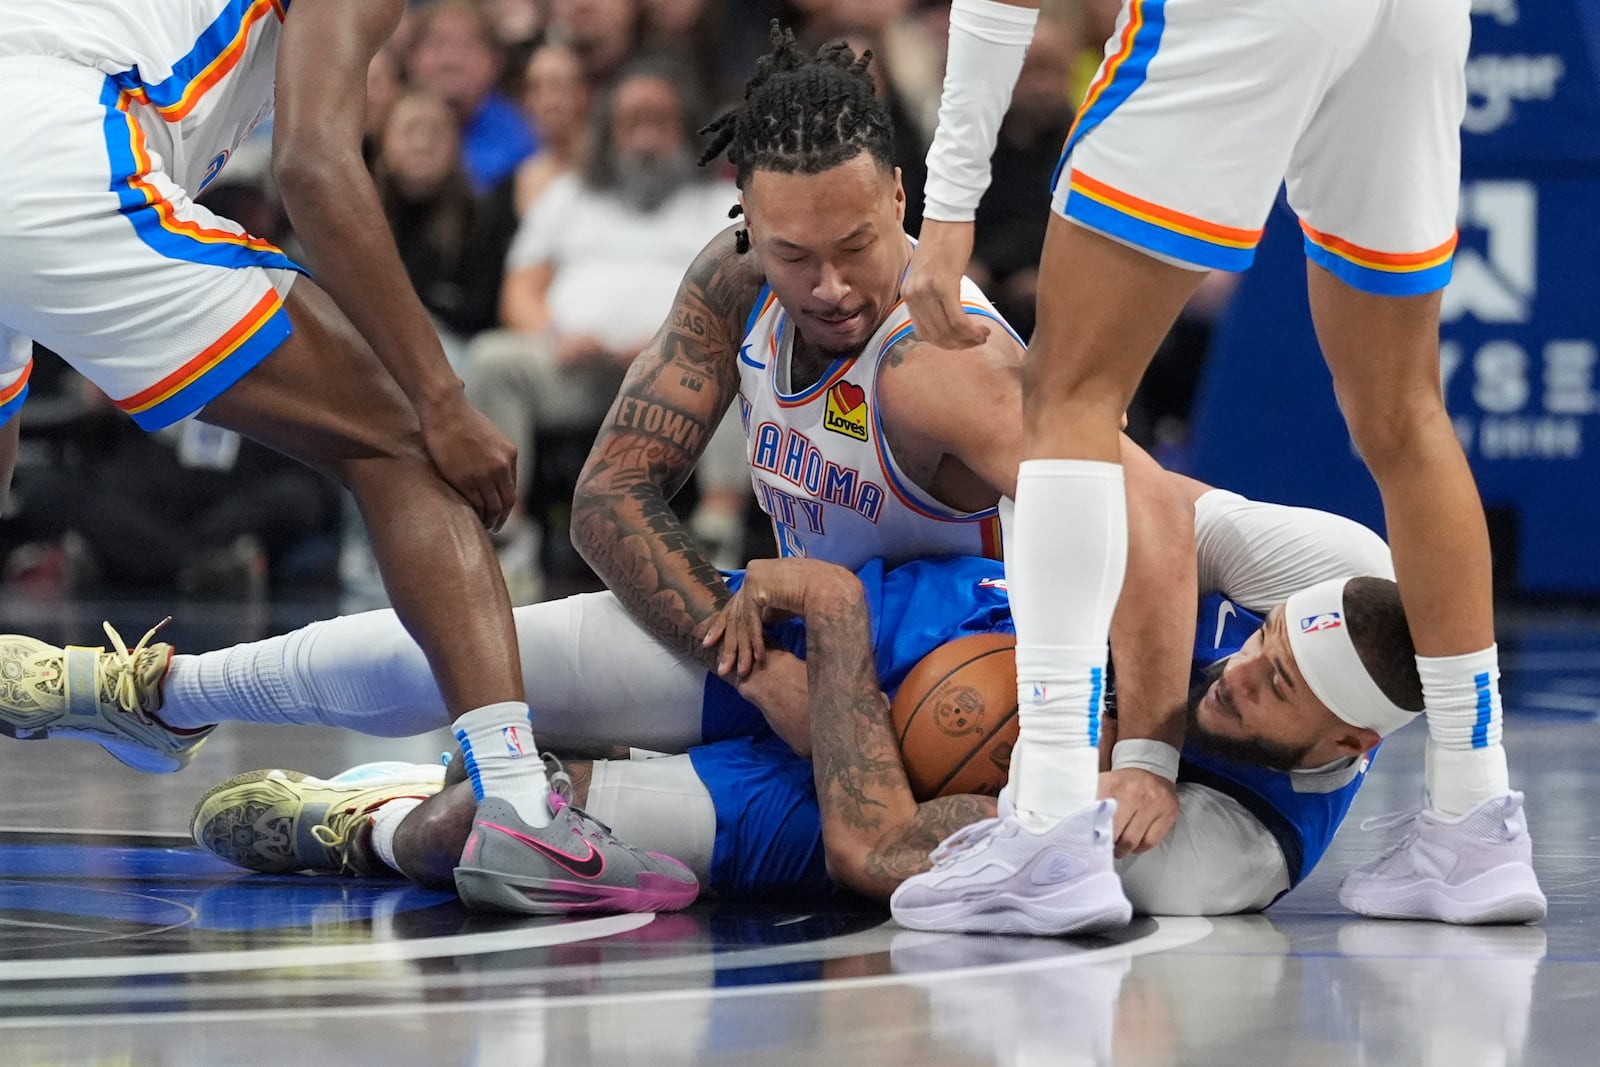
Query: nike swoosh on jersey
(588, 866)
(744, 357)
(1223, 612)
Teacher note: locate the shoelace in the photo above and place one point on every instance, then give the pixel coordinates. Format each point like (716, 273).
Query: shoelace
(561, 795)
(123, 671)
(335, 834)
(962, 841)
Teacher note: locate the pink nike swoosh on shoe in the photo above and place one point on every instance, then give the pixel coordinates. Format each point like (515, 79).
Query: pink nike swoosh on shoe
(590, 866)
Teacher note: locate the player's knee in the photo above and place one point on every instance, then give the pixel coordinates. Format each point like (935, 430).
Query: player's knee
(1390, 426)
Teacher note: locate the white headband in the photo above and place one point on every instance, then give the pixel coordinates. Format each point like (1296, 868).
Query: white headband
(1320, 640)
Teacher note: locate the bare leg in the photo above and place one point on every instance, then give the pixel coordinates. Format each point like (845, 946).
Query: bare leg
(323, 398)
(1384, 355)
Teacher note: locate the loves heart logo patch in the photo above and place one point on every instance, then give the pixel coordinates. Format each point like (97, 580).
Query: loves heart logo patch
(847, 411)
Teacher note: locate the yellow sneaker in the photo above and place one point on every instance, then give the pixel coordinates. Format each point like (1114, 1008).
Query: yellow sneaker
(278, 821)
(108, 697)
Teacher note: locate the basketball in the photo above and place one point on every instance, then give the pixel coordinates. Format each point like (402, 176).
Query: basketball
(955, 717)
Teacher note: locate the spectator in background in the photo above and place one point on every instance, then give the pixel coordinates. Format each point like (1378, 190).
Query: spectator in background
(436, 220)
(556, 99)
(519, 27)
(454, 54)
(1011, 219)
(694, 34)
(604, 33)
(591, 275)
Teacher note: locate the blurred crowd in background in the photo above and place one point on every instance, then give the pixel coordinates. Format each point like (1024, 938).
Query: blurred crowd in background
(537, 161)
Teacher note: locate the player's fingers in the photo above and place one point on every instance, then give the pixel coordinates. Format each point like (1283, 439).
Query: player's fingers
(714, 630)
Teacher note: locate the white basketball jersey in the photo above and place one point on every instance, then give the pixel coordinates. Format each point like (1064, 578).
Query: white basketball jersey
(197, 75)
(821, 467)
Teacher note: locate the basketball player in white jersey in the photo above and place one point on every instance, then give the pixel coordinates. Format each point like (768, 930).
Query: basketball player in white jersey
(863, 442)
(1199, 112)
(118, 112)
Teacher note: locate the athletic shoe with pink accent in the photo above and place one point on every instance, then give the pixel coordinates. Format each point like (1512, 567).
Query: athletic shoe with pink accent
(571, 866)
(1477, 868)
(999, 877)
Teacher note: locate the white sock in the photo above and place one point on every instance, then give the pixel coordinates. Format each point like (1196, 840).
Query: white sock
(386, 820)
(1466, 763)
(502, 759)
(1069, 548)
(359, 672)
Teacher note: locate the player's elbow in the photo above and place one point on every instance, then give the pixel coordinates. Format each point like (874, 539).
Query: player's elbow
(846, 855)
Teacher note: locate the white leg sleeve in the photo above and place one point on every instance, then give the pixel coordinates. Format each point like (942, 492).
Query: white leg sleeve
(1258, 553)
(659, 805)
(1217, 860)
(591, 673)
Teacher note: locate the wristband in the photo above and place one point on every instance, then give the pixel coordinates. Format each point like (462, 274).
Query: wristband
(987, 43)
(1157, 757)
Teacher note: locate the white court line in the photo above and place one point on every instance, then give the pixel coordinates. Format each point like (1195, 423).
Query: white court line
(1170, 934)
(178, 839)
(320, 955)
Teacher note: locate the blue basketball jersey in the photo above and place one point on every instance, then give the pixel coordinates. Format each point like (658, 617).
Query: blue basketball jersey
(915, 608)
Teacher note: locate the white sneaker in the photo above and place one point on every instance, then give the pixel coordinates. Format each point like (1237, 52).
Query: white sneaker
(999, 877)
(1475, 868)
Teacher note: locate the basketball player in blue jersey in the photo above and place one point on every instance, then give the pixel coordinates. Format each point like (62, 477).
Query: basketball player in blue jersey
(1284, 716)
(863, 442)
(1200, 111)
(118, 112)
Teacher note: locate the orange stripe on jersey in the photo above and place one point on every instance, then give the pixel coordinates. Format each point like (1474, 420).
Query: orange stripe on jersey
(1398, 262)
(1108, 70)
(14, 390)
(163, 208)
(1164, 217)
(215, 353)
(218, 68)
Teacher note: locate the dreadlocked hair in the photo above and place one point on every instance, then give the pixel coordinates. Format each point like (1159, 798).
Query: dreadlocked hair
(802, 114)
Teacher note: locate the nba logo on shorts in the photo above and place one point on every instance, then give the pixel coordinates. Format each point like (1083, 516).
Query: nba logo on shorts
(1038, 692)
(513, 740)
(1328, 620)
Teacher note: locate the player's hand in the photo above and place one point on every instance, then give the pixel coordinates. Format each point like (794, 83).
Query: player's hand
(932, 288)
(772, 589)
(474, 457)
(778, 688)
(1147, 807)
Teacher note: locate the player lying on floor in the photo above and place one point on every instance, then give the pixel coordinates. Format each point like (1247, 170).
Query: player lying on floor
(1268, 772)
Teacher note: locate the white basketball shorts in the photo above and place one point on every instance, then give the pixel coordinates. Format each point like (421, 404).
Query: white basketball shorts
(109, 262)
(1203, 107)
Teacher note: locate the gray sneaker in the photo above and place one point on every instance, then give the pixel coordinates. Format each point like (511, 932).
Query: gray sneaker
(571, 866)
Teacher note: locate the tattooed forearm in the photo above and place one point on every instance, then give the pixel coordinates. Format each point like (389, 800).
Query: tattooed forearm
(875, 832)
(904, 850)
(673, 397)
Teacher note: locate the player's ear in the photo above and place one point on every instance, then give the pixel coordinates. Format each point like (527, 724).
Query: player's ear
(899, 198)
(1355, 740)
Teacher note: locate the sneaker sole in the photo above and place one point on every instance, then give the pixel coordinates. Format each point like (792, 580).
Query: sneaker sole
(233, 832)
(1084, 906)
(523, 895)
(1508, 894)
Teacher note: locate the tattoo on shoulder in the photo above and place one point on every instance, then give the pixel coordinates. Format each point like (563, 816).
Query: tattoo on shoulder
(901, 350)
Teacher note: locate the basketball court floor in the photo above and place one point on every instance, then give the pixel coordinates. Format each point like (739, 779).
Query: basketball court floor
(120, 943)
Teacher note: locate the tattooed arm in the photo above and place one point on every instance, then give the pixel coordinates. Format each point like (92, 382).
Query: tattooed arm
(874, 833)
(675, 394)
